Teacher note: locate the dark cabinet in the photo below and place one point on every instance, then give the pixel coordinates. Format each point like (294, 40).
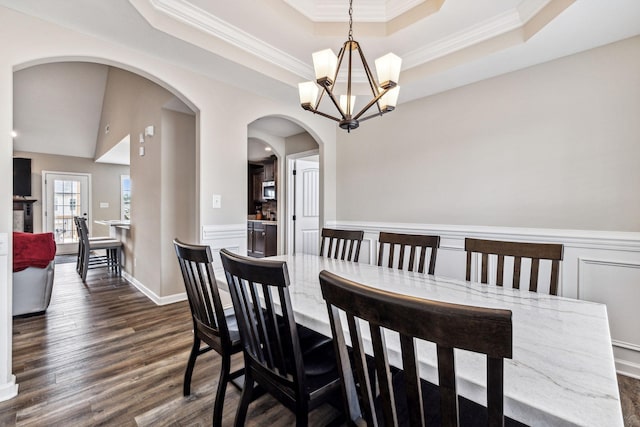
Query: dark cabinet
(262, 239)
(270, 169)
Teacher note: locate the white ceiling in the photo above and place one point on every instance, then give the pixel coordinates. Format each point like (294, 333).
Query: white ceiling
(444, 43)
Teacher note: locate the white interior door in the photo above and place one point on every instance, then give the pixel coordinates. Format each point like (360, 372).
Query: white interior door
(307, 205)
(65, 195)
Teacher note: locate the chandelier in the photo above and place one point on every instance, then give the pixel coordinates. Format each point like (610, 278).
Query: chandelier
(327, 67)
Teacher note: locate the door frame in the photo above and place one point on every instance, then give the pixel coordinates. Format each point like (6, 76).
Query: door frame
(45, 208)
(291, 195)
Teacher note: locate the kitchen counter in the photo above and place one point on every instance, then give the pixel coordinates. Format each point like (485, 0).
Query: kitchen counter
(118, 223)
(264, 221)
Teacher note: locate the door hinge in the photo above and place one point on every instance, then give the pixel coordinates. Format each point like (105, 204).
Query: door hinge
(294, 217)
(295, 172)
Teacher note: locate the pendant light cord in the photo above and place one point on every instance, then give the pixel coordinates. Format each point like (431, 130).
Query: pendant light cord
(350, 20)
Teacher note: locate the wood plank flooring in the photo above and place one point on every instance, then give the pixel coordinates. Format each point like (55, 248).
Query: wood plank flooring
(103, 354)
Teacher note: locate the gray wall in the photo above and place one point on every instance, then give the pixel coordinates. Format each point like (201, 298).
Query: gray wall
(552, 146)
(105, 185)
(166, 173)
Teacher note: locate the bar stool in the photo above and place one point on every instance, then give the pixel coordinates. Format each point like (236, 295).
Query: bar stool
(89, 260)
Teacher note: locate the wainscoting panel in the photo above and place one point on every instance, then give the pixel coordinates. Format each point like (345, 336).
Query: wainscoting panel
(598, 266)
(232, 237)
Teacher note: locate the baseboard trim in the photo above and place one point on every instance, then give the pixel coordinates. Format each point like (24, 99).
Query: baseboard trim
(158, 300)
(628, 369)
(9, 390)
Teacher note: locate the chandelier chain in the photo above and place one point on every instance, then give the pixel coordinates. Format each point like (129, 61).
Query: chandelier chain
(350, 20)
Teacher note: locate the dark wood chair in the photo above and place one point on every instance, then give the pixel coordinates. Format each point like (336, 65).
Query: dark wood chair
(80, 242)
(517, 250)
(406, 398)
(90, 252)
(212, 324)
(417, 245)
(295, 365)
(341, 244)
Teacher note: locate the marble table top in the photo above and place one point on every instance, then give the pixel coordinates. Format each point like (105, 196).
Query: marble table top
(562, 372)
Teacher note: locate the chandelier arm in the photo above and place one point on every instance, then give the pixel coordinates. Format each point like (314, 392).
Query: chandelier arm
(320, 98)
(336, 103)
(314, 111)
(375, 91)
(340, 57)
(349, 106)
(374, 88)
(379, 114)
(373, 101)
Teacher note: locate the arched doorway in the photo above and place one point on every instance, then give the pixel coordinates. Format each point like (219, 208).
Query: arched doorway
(283, 139)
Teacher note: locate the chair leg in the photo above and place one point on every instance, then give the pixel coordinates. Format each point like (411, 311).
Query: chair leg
(85, 265)
(302, 415)
(222, 389)
(186, 389)
(241, 414)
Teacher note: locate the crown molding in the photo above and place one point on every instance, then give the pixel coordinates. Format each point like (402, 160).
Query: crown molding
(488, 29)
(196, 17)
(185, 12)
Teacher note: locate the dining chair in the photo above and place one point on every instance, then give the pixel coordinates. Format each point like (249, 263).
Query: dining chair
(406, 398)
(212, 323)
(417, 244)
(517, 250)
(80, 242)
(90, 258)
(342, 244)
(292, 363)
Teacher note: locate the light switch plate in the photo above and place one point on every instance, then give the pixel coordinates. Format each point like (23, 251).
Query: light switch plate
(104, 204)
(217, 201)
(141, 151)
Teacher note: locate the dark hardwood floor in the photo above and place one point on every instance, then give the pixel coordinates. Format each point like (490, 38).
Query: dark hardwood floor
(103, 354)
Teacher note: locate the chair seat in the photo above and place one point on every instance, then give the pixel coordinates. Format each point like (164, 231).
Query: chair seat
(104, 244)
(471, 413)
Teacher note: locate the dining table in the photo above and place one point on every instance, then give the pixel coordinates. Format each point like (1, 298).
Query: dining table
(562, 372)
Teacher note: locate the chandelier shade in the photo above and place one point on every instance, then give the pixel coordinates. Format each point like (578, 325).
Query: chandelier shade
(327, 67)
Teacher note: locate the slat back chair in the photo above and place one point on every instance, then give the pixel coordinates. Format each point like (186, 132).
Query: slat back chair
(517, 250)
(341, 244)
(449, 326)
(273, 354)
(212, 324)
(88, 260)
(81, 244)
(417, 247)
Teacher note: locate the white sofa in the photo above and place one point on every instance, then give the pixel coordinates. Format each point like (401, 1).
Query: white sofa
(32, 290)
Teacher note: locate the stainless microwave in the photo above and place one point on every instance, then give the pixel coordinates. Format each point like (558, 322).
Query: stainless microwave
(269, 190)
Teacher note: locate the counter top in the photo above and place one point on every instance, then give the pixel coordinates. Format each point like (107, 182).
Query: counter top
(264, 221)
(115, 223)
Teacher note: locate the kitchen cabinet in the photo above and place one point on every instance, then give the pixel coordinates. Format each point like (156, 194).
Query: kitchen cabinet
(270, 169)
(262, 239)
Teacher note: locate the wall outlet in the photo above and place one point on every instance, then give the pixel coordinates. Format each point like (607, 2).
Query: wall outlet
(104, 204)
(141, 151)
(217, 201)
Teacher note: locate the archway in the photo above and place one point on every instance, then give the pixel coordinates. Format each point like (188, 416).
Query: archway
(286, 140)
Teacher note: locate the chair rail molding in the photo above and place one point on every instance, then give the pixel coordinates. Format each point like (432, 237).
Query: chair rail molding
(598, 266)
